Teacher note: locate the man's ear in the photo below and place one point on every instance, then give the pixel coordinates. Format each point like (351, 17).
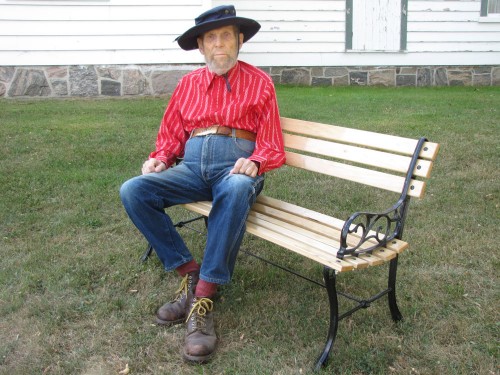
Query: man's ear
(200, 45)
(240, 44)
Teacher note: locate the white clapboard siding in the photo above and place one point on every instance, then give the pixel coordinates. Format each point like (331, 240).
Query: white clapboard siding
(73, 12)
(452, 27)
(284, 5)
(443, 6)
(454, 37)
(87, 28)
(293, 33)
(104, 57)
(451, 47)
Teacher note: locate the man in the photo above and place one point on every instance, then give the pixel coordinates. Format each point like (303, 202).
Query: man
(223, 121)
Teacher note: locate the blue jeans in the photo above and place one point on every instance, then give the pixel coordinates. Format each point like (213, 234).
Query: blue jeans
(203, 175)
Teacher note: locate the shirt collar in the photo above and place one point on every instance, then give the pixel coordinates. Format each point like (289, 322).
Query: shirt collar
(231, 76)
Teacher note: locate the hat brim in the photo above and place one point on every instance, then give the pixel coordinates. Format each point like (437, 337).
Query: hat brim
(188, 40)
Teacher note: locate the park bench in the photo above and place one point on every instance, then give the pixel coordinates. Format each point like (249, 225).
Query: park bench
(365, 239)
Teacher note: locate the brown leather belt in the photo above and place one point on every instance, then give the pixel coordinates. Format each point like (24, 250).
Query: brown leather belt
(224, 130)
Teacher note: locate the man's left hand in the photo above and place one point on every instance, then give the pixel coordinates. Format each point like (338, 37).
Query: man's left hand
(245, 166)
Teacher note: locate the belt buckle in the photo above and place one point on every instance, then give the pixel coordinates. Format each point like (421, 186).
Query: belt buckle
(209, 130)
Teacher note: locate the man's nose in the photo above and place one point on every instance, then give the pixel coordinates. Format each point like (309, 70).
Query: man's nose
(219, 40)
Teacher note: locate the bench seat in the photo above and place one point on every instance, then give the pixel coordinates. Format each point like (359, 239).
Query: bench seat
(306, 232)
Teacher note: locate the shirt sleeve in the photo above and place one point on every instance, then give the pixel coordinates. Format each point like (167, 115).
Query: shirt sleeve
(171, 137)
(269, 146)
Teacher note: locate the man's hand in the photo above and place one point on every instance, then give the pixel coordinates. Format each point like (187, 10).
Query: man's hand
(153, 165)
(245, 166)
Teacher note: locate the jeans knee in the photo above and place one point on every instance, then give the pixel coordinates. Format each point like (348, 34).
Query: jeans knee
(130, 191)
(125, 191)
(240, 190)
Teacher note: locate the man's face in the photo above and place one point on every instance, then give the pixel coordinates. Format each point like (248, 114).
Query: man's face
(220, 48)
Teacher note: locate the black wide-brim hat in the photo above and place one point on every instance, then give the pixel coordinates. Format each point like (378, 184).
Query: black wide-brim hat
(220, 16)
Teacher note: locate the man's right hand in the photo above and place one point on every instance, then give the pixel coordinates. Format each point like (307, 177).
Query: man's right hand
(153, 165)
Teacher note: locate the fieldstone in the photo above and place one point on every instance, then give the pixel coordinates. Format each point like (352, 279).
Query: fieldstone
(336, 72)
(6, 73)
(317, 71)
(3, 89)
(57, 72)
(134, 83)
(276, 79)
(382, 78)
(424, 77)
(83, 81)
(482, 70)
(164, 82)
(341, 80)
(406, 70)
(481, 80)
(440, 77)
(266, 69)
(297, 76)
(495, 77)
(29, 82)
(460, 78)
(358, 78)
(319, 81)
(277, 70)
(110, 88)
(60, 87)
(406, 80)
(111, 73)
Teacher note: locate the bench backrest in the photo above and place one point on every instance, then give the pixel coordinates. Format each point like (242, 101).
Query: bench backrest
(361, 156)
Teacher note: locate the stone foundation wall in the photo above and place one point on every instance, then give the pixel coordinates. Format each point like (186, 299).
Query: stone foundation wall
(142, 80)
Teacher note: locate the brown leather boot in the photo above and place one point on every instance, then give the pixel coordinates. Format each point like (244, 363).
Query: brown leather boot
(200, 340)
(175, 312)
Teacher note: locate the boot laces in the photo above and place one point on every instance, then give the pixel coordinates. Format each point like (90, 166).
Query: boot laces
(183, 288)
(199, 310)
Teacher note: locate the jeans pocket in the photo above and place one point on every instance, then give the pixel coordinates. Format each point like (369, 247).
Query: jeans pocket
(245, 146)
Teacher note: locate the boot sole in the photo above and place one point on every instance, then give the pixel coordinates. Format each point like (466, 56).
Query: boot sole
(191, 359)
(168, 323)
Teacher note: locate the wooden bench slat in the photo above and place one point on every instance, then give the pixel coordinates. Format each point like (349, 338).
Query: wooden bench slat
(376, 261)
(317, 230)
(386, 142)
(317, 247)
(317, 253)
(313, 216)
(310, 244)
(300, 211)
(313, 237)
(375, 158)
(353, 173)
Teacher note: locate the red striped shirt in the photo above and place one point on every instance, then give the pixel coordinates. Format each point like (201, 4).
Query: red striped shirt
(202, 99)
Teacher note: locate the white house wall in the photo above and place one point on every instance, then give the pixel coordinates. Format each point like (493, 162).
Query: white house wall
(294, 33)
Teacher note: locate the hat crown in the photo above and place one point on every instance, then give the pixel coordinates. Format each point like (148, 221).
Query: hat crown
(223, 15)
(217, 13)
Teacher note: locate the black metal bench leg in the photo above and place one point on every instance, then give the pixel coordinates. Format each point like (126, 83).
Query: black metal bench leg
(393, 306)
(329, 277)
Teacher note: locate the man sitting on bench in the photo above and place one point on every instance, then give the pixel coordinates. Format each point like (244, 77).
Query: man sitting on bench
(223, 120)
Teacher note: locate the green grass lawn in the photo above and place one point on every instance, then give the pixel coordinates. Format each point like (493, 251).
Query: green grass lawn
(74, 298)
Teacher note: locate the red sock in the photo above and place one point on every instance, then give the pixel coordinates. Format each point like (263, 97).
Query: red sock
(205, 289)
(188, 267)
